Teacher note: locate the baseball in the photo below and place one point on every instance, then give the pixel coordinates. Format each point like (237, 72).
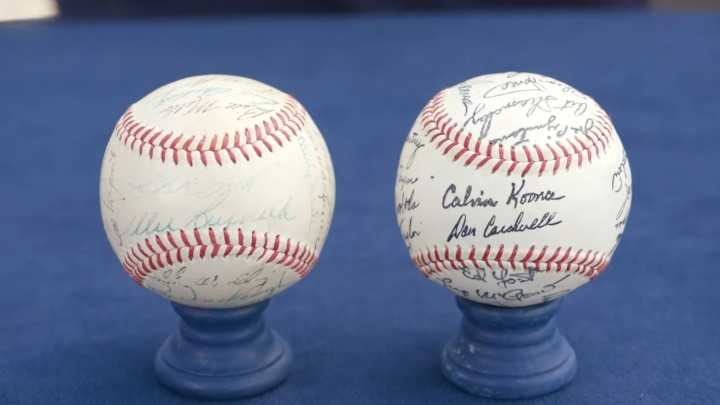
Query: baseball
(513, 189)
(217, 191)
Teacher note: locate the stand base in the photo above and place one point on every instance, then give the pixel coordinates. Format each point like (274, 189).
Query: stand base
(509, 353)
(223, 354)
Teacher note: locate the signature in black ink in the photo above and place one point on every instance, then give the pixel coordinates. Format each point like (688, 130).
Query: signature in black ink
(406, 181)
(447, 283)
(581, 129)
(620, 181)
(450, 200)
(579, 106)
(514, 86)
(517, 196)
(408, 233)
(417, 143)
(504, 277)
(461, 229)
(407, 203)
(464, 90)
(519, 295)
(519, 226)
(520, 134)
(554, 295)
(534, 103)
(476, 273)
(551, 125)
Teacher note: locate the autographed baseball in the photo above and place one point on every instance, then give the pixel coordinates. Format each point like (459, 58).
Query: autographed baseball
(513, 189)
(217, 191)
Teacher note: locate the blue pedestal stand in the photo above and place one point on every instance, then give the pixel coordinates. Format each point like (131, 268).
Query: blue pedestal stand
(509, 353)
(223, 354)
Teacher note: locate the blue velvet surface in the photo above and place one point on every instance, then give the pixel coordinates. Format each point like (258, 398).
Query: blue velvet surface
(365, 326)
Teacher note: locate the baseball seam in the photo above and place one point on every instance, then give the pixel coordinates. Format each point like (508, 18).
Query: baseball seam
(586, 263)
(248, 143)
(154, 254)
(453, 138)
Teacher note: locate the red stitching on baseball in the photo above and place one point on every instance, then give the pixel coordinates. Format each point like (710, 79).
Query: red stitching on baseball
(539, 258)
(541, 158)
(435, 120)
(300, 259)
(485, 255)
(587, 263)
(292, 118)
(458, 257)
(511, 259)
(139, 247)
(551, 260)
(264, 245)
(135, 255)
(498, 256)
(513, 158)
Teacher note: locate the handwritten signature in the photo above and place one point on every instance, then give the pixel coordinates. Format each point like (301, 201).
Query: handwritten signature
(407, 229)
(503, 277)
(464, 91)
(176, 95)
(520, 225)
(191, 187)
(404, 181)
(407, 202)
(476, 273)
(417, 143)
(533, 104)
(168, 283)
(514, 86)
(548, 292)
(517, 196)
(451, 200)
(112, 195)
(461, 229)
(248, 110)
(620, 181)
(250, 286)
(214, 193)
(152, 222)
(260, 289)
(198, 105)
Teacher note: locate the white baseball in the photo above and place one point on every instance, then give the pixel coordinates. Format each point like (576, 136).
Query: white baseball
(217, 191)
(513, 189)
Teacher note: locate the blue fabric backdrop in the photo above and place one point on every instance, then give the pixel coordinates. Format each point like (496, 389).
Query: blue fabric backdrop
(366, 327)
(113, 8)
